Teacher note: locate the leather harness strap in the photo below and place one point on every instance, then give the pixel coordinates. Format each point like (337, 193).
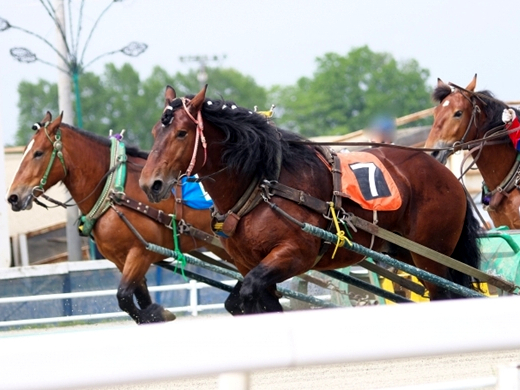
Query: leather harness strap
(160, 216)
(179, 214)
(297, 196)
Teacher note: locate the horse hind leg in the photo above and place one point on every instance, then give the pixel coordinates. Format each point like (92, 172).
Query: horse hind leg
(436, 291)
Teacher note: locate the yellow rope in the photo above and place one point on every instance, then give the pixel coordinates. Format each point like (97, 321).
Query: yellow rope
(339, 233)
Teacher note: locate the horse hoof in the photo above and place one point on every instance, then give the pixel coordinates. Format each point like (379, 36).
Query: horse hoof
(156, 313)
(168, 315)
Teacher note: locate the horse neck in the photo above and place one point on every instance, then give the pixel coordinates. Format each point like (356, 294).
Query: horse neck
(224, 187)
(87, 162)
(495, 162)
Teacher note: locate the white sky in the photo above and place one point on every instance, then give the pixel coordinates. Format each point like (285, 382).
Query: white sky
(277, 41)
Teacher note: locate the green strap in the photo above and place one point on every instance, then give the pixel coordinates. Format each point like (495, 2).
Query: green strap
(115, 182)
(57, 146)
(179, 255)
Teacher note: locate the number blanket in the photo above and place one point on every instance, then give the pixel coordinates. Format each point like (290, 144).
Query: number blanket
(366, 181)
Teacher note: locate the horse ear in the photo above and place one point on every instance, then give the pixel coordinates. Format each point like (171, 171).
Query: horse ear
(56, 122)
(441, 84)
(169, 95)
(471, 86)
(47, 117)
(196, 102)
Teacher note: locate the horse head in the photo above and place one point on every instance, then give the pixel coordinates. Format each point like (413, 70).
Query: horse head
(175, 151)
(38, 169)
(455, 117)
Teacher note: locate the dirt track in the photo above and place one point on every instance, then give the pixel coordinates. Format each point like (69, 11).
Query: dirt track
(373, 375)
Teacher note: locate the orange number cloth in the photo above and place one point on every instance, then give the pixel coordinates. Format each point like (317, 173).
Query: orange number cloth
(367, 182)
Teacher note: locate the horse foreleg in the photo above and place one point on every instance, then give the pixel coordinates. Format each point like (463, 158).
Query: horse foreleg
(142, 294)
(256, 291)
(133, 283)
(125, 299)
(233, 303)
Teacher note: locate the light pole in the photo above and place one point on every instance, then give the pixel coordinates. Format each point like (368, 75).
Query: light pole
(202, 75)
(70, 66)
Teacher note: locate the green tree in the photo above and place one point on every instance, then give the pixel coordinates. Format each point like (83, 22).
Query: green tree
(347, 92)
(35, 101)
(225, 83)
(119, 99)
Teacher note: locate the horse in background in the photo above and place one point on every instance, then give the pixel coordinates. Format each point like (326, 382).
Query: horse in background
(262, 179)
(464, 115)
(82, 168)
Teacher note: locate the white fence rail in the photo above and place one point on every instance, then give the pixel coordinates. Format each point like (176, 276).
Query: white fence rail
(88, 358)
(192, 286)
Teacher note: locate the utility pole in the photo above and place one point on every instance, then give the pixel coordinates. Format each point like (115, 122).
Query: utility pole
(5, 252)
(65, 106)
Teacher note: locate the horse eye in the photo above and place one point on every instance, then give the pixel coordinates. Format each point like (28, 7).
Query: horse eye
(181, 134)
(457, 114)
(37, 154)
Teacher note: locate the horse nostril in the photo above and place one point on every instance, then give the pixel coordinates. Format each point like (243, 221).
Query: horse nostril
(157, 186)
(13, 199)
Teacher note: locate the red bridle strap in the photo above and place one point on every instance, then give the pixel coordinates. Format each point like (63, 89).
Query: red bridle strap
(198, 135)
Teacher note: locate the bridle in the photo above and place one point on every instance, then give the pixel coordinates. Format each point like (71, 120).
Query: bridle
(471, 97)
(199, 134)
(57, 147)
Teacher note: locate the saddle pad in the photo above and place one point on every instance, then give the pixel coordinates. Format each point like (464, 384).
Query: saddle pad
(366, 181)
(194, 195)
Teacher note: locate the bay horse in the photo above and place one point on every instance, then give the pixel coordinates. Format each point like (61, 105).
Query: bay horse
(464, 115)
(233, 149)
(85, 161)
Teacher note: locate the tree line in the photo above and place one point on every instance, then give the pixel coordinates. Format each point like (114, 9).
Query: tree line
(344, 94)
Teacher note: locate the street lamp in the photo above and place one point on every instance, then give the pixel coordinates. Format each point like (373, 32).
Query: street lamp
(21, 54)
(74, 67)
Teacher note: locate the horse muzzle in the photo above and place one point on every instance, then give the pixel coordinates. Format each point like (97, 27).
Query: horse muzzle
(441, 155)
(19, 203)
(157, 190)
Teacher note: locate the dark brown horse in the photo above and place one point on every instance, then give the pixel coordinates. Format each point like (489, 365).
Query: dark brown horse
(233, 149)
(86, 161)
(464, 115)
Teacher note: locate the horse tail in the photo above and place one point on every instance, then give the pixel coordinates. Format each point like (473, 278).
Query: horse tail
(467, 249)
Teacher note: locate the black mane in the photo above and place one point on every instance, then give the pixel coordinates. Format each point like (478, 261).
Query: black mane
(493, 109)
(132, 151)
(252, 143)
(440, 93)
